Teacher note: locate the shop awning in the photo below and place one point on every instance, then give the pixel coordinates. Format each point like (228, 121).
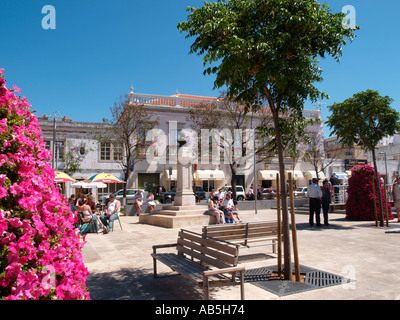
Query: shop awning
(173, 176)
(312, 174)
(267, 174)
(341, 175)
(296, 174)
(209, 175)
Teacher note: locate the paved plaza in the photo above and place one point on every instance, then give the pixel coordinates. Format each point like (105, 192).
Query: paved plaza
(121, 267)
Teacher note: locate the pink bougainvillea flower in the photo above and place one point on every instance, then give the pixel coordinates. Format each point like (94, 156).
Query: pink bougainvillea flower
(37, 230)
(360, 202)
(16, 89)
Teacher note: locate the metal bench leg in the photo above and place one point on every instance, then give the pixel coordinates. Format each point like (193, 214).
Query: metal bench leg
(242, 285)
(154, 267)
(206, 288)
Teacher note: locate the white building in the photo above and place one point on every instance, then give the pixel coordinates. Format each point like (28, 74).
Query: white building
(387, 157)
(80, 139)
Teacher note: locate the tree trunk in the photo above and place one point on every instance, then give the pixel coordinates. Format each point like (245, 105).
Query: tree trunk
(287, 258)
(233, 181)
(378, 190)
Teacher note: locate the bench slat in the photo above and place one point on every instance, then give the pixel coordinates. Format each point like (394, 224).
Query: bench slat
(244, 233)
(204, 250)
(224, 247)
(209, 260)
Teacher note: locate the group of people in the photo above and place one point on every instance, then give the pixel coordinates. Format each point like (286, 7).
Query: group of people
(85, 205)
(139, 201)
(319, 196)
(223, 207)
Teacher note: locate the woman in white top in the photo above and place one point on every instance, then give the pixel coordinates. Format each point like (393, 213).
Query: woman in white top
(150, 201)
(87, 214)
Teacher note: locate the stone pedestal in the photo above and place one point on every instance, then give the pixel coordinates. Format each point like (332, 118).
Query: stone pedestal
(184, 193)
(184, 212)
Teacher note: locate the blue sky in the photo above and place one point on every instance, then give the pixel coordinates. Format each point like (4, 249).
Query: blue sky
(99, 48)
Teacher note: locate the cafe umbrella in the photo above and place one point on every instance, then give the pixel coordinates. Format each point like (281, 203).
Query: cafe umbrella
(62, 177)
(104, 177)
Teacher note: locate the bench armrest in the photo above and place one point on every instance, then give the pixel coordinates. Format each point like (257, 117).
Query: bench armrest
(224, 270)
(160, 246)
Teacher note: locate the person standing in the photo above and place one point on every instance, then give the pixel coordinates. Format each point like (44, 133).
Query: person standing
(335, 183)
(396, 196)
(326, 200)
(314, 194)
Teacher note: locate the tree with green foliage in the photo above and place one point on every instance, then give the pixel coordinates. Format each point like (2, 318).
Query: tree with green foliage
(364, 119)
(267, 50)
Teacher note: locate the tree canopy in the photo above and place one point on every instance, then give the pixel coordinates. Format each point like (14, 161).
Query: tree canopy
(364, 119)
(253, 45)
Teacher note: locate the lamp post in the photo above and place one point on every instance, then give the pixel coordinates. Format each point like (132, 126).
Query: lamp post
(55, 116)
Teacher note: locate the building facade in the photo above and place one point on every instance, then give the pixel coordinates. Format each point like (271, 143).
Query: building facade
(80, 140)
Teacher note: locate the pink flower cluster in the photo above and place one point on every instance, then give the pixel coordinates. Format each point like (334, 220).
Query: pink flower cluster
(40, 249)
(360, 202)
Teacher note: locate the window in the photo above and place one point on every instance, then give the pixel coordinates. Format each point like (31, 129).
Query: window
(111, 151)
(48, 144)
(59, 150)
(105, 151)
(117, 151)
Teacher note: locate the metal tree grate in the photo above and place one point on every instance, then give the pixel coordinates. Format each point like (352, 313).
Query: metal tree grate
(323, 279)
(258, 274)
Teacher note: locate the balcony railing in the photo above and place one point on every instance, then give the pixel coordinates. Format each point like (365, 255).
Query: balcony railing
(187, 102)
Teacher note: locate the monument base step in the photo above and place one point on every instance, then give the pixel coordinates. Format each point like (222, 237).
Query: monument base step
(176, 221)
(170, 211)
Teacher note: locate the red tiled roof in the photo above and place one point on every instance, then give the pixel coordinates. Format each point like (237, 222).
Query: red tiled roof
(179, 95)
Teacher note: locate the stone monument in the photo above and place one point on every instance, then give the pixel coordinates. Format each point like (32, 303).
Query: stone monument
(184, 193)
(184, 212)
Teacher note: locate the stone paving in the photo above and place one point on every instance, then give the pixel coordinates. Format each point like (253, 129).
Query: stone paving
(121, 267)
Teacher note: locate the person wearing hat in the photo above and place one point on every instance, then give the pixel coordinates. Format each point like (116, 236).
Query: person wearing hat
(314, 194)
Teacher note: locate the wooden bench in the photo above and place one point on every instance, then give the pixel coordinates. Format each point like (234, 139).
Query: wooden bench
(244, 233)
(206, 262)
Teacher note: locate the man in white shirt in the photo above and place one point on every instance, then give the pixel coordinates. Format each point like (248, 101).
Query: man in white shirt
(112, 213)
(314, 193)
(229, 208)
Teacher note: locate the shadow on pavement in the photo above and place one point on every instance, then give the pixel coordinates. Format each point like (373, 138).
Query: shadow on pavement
(136, 284)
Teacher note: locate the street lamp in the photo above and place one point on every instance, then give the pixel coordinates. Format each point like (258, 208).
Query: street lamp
(55, 116)
(386, 178)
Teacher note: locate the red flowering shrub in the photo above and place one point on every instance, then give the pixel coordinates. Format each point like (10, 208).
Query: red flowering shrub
(40, 250)
(360, 203)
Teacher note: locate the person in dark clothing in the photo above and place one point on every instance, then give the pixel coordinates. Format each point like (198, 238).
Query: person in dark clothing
(314, 193)
(335, 185)
(326, 200)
